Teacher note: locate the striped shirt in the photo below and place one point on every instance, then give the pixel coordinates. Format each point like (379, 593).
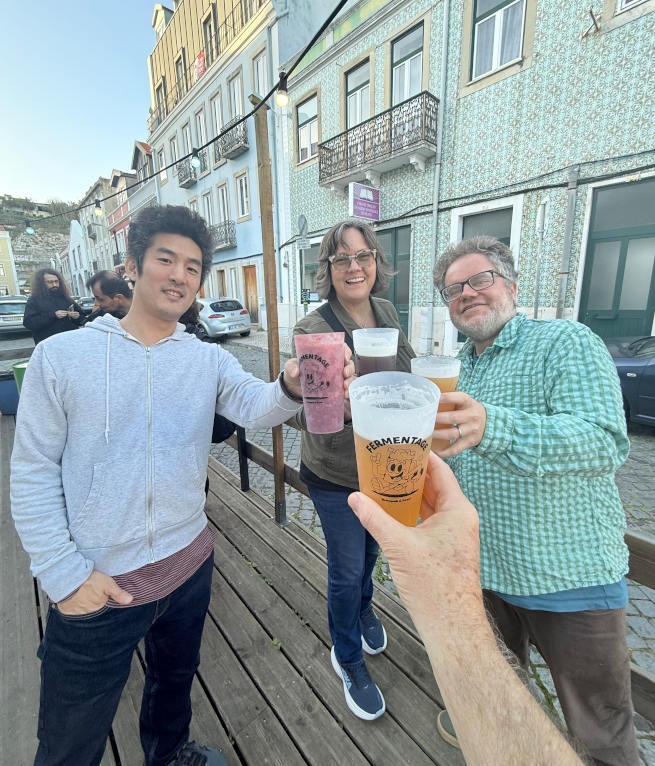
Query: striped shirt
(542, 477)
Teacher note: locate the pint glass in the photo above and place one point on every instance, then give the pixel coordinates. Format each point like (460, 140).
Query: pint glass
(393, 419)
(375, 349)
(443, 371)
(320, 356)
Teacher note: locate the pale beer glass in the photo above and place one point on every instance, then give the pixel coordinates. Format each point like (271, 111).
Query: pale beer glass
(375, 349)
(393, 418)
(443, 371)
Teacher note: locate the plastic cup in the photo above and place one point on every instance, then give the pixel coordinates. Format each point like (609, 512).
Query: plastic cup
(375, 349)
(393, 419)
(19, 372)
(320, 356)
(443, 371)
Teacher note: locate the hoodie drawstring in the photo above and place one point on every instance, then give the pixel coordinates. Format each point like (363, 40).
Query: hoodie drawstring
(107, 389)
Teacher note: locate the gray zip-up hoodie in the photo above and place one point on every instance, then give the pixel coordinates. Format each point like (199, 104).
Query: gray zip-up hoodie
(111, 447)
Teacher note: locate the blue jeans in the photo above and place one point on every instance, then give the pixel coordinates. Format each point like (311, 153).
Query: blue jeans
(352, 553)
(85, 663)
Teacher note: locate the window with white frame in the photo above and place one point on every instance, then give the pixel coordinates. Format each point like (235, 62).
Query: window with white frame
(193, 205)
(208, 207)
(622, 5)
(358, 94)
(220, 282)
(161, 162)
(497, 34)
(235, 93)
(201, 133)
(172, 144)
(186, 139)
(222, 203)
(242, 190)
(234, 282)
(407, 65)
(259, 74)
(307, 119)
(180, 78)
(160, 99)
(208, 38)
(216, 113)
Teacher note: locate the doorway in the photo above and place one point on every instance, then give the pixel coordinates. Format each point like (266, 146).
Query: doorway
(251, 293)
(396, 246)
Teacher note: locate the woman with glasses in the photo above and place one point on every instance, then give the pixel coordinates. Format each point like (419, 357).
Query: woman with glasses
(352, 272)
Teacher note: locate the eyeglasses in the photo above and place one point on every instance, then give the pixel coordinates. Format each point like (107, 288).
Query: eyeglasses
(477, 282)
(364, 258)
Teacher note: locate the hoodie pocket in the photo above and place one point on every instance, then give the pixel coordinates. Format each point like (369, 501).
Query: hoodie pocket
(178, 486)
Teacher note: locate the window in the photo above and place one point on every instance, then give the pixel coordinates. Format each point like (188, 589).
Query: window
(201, 133)
(307, 116)
(208, 208)
(220, 282)
(216, 113)
(173, 150)
(259, 78)
(193, 205)
(235, 94)
(234, 282)
(407, 65)
(186, 139)
(497, 34)
(309, 267)
(623, 4)
(223, 203)
(160, 100)
(357, 94)
(243, 195)
(2, 270)
(208, 38)
(494, 223)
(180, 78)
(161, 162)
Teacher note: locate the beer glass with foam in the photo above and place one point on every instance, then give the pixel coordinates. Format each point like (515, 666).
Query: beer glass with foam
(375, 349)
(443, 371)
(393, 419)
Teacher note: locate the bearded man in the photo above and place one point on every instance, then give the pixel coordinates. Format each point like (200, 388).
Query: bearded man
(537, 433)
(50, 308)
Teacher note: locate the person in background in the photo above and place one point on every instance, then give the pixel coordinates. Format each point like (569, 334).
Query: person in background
(50, 309)
(436, 568)
(117, 296)
(352, 273)
(538, 431)
(101, 300)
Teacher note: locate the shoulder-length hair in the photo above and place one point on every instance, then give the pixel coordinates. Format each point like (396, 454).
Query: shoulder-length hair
(38, 288)
(333, 240)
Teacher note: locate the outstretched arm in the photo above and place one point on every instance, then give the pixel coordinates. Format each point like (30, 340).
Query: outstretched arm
(435, 567)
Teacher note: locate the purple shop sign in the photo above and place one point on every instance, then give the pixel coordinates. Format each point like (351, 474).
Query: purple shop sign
(364, 201)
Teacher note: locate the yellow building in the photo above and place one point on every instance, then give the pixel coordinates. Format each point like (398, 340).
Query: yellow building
(8, 280)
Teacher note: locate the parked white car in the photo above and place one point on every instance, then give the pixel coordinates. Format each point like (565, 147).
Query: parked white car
(12, 308)
(221, 317)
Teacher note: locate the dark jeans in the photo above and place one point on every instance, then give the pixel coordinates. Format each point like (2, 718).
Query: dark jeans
(351, 553)
(588, 659)
(85, 662)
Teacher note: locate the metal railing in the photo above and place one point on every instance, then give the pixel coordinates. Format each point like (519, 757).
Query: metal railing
(186, 173)
(393, 132)
(225, 234)
(235, 141)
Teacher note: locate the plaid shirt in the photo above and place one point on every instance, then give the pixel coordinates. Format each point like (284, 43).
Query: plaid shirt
(542, 478)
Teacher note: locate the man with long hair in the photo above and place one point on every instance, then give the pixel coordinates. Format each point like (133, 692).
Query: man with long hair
(50, 308)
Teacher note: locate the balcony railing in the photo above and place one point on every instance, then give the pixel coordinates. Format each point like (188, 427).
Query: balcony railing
(224, 235)
(231, 27)
(203, 156)
(217, 152)
(186, 173)
(406, 133)
(234, 142)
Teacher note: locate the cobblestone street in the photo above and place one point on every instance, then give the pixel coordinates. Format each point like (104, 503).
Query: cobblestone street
(635, 480)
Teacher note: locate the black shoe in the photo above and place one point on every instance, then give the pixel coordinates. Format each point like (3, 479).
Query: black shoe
(193, 754)
(362, 695)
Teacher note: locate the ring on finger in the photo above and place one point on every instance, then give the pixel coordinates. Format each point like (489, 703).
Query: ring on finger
(459, 430)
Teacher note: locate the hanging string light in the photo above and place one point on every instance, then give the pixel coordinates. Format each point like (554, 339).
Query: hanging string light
(282, 96)
(195, 159)
(28, 228)
(98, 209)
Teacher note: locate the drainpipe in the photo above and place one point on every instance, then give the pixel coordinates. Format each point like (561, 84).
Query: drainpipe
(273, 145)
(542, 225)
(437, 167)
(572, 189)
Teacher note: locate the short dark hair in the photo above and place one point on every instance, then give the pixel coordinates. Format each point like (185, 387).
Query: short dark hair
(38, 288)
(112, 286)
(169, 219)
(329, 246)
(100, 275)
(497, 252)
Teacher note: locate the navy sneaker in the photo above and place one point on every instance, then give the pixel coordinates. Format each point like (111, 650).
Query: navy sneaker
(193, 754)
(374, 636)
(362, 696)
(446, 729)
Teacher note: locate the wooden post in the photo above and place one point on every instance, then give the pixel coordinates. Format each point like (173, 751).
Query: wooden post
(265, 186)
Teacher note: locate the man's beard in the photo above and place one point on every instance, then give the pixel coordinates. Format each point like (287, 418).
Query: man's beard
(488, 327)
(59, 290)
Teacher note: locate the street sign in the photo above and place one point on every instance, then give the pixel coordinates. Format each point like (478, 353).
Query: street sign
(364, 201)
(304, 295)
(303, 243)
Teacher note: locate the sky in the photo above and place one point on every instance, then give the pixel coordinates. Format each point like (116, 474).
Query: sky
(74, 92)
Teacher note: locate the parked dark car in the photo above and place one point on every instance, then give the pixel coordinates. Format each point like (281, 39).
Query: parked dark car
(635, 362)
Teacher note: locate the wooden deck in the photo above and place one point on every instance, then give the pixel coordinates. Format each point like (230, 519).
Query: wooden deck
(266, 692)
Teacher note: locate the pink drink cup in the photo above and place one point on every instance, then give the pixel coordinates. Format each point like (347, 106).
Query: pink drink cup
(320, 356)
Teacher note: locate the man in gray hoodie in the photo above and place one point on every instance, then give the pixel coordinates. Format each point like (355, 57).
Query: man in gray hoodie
(108, 500)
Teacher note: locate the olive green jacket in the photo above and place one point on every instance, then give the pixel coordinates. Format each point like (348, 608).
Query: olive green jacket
(332, 456)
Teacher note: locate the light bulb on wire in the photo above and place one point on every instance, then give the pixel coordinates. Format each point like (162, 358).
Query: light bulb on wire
(195, 158)
(29, 229)
(281, 95)
(97, 209)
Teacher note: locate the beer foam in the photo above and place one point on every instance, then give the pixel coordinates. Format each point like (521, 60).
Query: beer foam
(376, 341)
(436, 366)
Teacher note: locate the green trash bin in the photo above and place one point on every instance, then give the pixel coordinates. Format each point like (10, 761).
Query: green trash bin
(19, 372)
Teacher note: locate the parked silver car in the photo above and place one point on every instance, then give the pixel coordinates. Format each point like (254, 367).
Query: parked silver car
(223, 316)
(12, 308)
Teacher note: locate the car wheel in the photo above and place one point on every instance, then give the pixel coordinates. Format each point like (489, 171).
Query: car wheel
(245, 334)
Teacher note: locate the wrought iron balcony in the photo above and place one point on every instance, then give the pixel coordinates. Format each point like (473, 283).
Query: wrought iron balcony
(224, 235)
(186, 173)
(404, 134)
(235, 141)
(217, 152)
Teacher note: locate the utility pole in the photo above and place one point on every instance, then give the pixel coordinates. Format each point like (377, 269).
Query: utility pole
(265, 186)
